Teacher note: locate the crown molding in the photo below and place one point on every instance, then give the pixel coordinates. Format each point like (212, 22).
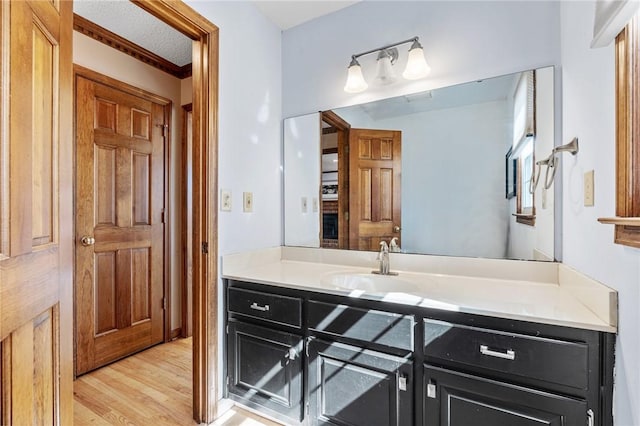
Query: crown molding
(101, 34)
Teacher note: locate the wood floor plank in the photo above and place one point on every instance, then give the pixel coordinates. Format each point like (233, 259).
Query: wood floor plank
(152, 387)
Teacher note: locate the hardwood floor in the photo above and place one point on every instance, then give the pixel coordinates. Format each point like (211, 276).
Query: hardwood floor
(152, 387)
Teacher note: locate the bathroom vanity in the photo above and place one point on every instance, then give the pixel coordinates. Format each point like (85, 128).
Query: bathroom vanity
(314, 338)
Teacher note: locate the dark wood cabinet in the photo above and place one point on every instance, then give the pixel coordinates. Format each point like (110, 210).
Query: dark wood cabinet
(264, 368)
(349, 385)
(458, 399)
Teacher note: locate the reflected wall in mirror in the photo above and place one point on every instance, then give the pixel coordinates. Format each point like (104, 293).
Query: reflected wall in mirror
(428, 169)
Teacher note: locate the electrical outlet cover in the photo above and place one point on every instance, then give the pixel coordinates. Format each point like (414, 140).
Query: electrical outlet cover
(225, 200)
(589, 200)
(247, 198)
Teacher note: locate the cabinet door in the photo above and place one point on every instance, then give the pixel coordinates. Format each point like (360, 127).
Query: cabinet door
(457, 399)
(353, 386)
(265, 369)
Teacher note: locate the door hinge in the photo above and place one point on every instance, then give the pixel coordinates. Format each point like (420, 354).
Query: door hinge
(307, 409)
(162, 217)
(227, 328)
(165, 129)
(346, 216)
(227, 381)
(205, 247)
(164, 303)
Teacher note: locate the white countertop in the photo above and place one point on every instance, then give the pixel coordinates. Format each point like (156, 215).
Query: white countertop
(578, 303)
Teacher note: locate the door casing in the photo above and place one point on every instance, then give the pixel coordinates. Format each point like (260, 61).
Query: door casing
(205, 36)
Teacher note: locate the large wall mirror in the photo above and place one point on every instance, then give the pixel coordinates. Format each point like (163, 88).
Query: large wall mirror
(444, 172)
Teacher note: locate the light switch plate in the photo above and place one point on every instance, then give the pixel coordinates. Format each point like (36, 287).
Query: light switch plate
(247, 200)
(315, 206)
(225, 200)
(303, 204)
(589, 189)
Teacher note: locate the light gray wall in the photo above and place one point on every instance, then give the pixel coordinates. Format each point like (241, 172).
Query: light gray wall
(250, 117)
(589, 113)
(463, 41)
(249, 129)
(453, 200)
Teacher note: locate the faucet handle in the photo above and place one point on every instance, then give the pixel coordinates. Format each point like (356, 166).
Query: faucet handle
(384, 247)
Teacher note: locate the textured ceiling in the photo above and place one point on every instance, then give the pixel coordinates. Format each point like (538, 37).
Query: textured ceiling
(134, 24)
(287, 14)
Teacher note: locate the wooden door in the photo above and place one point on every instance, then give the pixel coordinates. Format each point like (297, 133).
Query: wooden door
(119, 221)
(374, 187)
(35, 213)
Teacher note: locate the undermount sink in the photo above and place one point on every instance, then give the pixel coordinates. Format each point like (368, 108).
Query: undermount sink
(371, 283)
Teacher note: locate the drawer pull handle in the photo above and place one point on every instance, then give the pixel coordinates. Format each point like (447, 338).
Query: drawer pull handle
(257, 307)
(484, 350)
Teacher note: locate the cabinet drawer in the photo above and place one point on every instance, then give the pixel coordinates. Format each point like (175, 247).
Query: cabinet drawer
(266, 306)
(548, 360)
(367, 325)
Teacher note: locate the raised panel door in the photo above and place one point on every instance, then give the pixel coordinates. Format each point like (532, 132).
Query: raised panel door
(374, 187)
(35, 210)
(458, 399)
(358, 387)
(120, 192)
(265, 369)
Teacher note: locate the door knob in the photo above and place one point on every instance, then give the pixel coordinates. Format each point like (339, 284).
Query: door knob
(87, 240)
(396, 228)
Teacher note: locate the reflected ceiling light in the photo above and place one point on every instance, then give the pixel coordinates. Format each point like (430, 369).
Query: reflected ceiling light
(416, 68)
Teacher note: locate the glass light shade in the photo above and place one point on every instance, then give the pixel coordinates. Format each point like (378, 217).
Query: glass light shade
(385, 73)
(355, 80)
(417, 66)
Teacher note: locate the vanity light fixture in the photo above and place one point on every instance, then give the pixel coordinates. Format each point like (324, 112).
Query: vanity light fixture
(416, 68)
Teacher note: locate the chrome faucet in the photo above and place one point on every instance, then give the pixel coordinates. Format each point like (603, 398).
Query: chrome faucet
(383, 258)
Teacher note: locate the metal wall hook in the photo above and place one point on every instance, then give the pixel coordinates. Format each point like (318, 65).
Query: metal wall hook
(571, 147)
(551, 163)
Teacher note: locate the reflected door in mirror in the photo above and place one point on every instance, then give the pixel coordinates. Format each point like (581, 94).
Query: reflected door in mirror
(374, 193)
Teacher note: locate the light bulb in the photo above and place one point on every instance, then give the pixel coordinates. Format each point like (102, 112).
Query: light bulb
(355, 79)
(417, 66)
(385, 73)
